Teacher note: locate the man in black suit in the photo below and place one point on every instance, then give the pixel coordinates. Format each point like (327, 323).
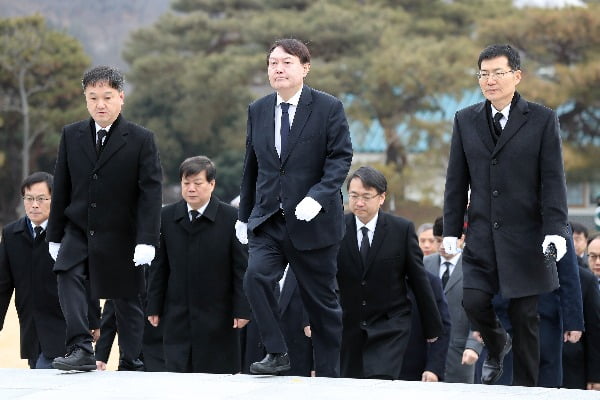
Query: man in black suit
(507, 151)
(298, 152)
(581, 360)
(26, 269)
(105, 218)
(580, 239)
(196, 288)
(378, 253)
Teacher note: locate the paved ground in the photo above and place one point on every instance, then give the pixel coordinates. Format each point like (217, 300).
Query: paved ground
(24, 384)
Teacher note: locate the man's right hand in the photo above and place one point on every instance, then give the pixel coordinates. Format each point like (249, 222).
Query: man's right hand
(154, 320)
(450, 244)
(53, 249)
(241, 231)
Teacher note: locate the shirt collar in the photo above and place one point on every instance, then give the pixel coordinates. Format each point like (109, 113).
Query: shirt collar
(200, 210)
(292, 100)
(370, 225)
(98, 127)
(43, 224)
(453, 260)
(505, 111)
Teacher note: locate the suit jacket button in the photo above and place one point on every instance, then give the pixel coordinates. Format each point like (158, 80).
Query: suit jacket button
(282, 171)
(364, 303)
(92, 233)
(495, 193)
(95, 176)
(496, 225)
(364, 323)
(93, 205)
(363, 283)
(494, 161)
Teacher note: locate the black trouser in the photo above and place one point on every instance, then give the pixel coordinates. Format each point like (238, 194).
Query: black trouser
(73, 296)
(270, 249)
(523, 316)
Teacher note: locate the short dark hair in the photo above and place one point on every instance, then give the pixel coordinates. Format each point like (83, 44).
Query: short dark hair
(592, 238)
(195, 165)
(103, 73)
(438, 226)
(37, 177)
(499, 50)
(576, 227)
(370, 178)
(293, 47)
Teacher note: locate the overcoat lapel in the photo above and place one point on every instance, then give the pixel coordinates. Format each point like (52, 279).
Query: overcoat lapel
(516, 119)
(84, 138)
(352, 243)
(482, 126)
(118, 139)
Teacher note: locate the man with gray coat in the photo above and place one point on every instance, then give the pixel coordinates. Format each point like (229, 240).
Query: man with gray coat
(449, 268)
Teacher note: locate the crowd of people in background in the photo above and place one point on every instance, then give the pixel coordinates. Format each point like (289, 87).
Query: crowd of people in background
(501, 289)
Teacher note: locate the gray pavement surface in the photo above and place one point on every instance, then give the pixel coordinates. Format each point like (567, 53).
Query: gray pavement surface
(25, 384)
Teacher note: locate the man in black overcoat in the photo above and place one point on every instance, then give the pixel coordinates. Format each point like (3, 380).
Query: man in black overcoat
(379, 252)
(196, 290)
(105, 217)
(507, 152)
(26, 269)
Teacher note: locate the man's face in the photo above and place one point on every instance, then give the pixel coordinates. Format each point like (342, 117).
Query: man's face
(427, 242)
(103, 103)
(364, 202)
(36, 201)
(196, 190)
(286, 72)
(499, 88)
(594, 256)
(580, 242)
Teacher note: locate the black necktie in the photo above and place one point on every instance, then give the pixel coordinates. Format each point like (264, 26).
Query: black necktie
(285, 125)
(38, 233)
(364, 245)
(446, 274)
(497, 125)
(195, 214)
(100, 135)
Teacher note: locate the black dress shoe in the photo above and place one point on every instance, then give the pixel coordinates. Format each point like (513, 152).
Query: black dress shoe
(76, 360)
(133, 365)
(272, 364)
(492, 366)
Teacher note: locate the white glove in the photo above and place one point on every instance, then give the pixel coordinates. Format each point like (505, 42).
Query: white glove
(53, 248)
(450, 244)
(241, 231)
(559, 242)
(143, 254)
(307, 209)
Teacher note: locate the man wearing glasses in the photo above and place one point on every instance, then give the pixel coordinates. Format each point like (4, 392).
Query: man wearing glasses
(26, 269)
(507, 152)
(377, 254)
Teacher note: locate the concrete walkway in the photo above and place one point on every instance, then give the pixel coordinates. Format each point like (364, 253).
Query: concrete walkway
(24, 384)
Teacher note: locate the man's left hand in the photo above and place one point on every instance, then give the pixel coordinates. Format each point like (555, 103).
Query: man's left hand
(572, 336)
(429, 376)
(559, 242)
(239, 323)
(143, 254)
(307, 209)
